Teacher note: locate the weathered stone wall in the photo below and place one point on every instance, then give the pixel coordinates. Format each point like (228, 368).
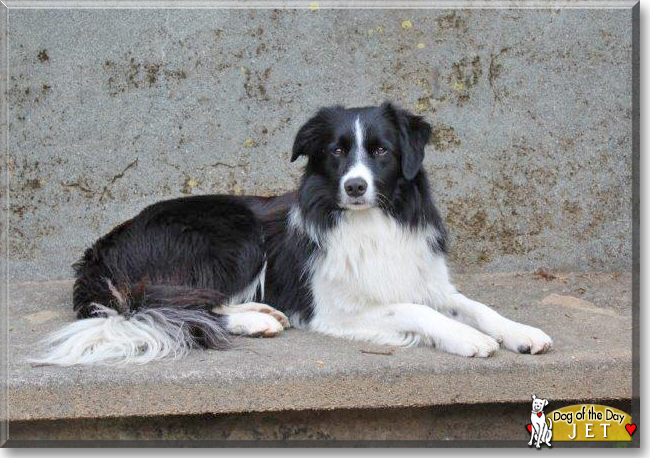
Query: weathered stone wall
(110, 110)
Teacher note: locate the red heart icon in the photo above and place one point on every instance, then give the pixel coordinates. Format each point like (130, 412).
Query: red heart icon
(539, 414)
(630, 428)
(529, 427)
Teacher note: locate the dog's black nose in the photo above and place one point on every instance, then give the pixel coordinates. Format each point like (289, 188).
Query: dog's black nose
(355, 187)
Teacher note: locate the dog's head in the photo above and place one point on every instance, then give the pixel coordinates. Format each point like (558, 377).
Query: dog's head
(359, 155)
(539, 404)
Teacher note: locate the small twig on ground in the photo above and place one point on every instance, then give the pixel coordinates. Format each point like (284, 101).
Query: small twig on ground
(390, 352)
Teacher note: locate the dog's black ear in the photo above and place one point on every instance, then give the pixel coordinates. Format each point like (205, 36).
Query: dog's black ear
(414, 133)
(313, 134)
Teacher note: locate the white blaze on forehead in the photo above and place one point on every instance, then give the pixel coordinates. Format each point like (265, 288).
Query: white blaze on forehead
(358, 167)
(358, 136)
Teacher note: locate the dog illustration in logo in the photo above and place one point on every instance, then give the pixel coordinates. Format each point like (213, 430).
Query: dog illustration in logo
(540, 431)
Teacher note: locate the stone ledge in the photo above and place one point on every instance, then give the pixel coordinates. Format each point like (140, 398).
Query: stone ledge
(587, 314)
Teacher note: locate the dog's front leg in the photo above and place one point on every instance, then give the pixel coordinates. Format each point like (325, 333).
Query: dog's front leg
(540, 436)
(403, 324)
(514, 336)
(533, 434)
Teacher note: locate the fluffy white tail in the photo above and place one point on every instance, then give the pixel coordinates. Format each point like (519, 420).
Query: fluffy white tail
(147, 335)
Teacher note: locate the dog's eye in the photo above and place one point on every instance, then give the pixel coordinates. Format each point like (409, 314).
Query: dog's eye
(379, 151)
(338, 152)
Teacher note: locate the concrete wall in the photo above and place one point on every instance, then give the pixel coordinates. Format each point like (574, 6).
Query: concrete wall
(530, 157)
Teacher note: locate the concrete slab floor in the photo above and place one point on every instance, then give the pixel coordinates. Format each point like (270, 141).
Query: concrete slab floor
(587, 314)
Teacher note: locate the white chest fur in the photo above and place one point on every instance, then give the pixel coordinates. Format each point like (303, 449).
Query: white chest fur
(369, 259)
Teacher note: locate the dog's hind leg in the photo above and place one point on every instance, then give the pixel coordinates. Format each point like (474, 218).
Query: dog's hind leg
(245, 317)
(549, 432)
(253, 307)
(253, 324)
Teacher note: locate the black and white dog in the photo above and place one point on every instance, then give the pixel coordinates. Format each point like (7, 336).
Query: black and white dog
(358, 251)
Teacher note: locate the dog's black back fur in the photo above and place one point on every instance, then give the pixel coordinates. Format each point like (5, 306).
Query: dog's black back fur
(191, 253)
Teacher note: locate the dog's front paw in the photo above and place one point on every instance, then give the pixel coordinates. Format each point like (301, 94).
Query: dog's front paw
(466, 341)
(521, 338)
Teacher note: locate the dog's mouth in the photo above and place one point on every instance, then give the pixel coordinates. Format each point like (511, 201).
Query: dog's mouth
(358, 203)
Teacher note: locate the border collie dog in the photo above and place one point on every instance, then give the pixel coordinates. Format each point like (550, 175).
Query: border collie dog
(358, 252)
